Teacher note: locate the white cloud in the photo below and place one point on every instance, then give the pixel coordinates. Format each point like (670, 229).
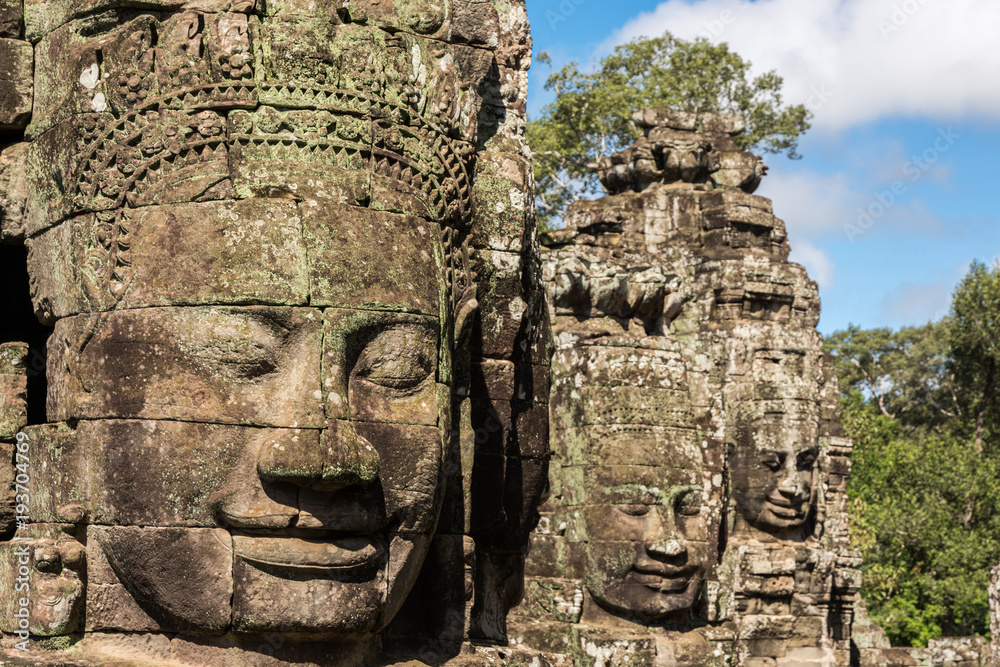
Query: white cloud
(817, 262)
(917, 303)
(854, 61)
(810, 202)
(815, 205)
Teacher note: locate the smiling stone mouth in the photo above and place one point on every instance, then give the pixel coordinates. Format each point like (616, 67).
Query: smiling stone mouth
(786, 510)
(676, 581)
(331, 551)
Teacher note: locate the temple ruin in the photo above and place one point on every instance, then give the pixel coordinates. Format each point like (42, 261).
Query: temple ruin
(290, 378)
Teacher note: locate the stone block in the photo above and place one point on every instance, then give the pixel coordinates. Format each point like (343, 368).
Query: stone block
(42, 17)
(501, 213)
(274, 599)
(623, 406)
(80, 64)
(553, 557)
(642, 445)
(381, 366)
(13, 389)
(14, 192)
(216, 253)
(183, 474)
(182, 577)
(16, 81)
(422, 18)
(769, 561)
(109, 606)
(500, 380)
(502, 303)
(12, 18)
(8, 502)
(475, 23)
(59, 465)
(239, 365)
(307, 155)
(374, 260)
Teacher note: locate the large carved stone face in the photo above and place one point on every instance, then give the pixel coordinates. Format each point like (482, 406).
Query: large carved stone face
(239, 233)
(311, 437)
(648, 544)
(774, 468)
(649, 502)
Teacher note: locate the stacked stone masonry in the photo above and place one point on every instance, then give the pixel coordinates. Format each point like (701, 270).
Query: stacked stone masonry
(298, 371)
(306, 352)
(697, 513)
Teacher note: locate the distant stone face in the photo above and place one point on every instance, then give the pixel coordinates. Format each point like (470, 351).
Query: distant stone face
(774, 469)
(287, 251)
(697, 511)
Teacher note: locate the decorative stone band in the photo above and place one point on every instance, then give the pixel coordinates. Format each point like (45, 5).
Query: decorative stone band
(97, 162)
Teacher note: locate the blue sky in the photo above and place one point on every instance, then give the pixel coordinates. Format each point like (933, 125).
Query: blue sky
(905, 95)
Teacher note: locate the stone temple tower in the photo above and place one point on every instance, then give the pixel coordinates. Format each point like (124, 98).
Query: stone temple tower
(697, 510)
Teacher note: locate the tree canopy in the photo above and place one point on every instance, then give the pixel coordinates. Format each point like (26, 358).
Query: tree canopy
(591, 114)
(921, 406)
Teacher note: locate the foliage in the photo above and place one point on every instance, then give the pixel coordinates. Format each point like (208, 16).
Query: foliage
(975, 338)
(926, 518)
(905, 373)
(591, 115)
(925, 482)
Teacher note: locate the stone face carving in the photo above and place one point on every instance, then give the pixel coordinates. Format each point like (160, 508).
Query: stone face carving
(287, 251)
(697, 510)
(774, 472)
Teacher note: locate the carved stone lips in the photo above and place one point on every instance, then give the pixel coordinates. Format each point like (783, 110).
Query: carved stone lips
(784, 508)
(664, 578)
(337, 553)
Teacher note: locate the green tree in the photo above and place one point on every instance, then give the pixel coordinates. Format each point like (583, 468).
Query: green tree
(591, 114)
(975, 339)
(907, 374)
(921, 406)
(925, 514)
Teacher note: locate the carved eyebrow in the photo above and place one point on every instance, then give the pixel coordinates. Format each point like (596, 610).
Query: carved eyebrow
(678, 492)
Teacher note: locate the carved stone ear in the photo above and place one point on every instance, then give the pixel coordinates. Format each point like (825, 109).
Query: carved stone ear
(461, 285)
(467, 306)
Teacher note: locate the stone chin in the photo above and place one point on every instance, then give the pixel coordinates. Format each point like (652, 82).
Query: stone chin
(639, 597)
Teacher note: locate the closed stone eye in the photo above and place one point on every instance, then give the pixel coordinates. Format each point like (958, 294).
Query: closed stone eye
(689, 504)
(400, 358)
(634, 510)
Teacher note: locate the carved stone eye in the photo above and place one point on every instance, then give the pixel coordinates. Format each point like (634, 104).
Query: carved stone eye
(772, 460)
(807, 459)
(400, 358)
(689, 503)
(634, 510)
(47, 560)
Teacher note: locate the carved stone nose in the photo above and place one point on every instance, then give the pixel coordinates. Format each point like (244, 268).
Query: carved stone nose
(343, 458)
(350, 460)
(671, 547)
(791, 487)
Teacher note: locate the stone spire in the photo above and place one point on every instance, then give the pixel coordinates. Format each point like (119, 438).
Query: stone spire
(697, 510)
